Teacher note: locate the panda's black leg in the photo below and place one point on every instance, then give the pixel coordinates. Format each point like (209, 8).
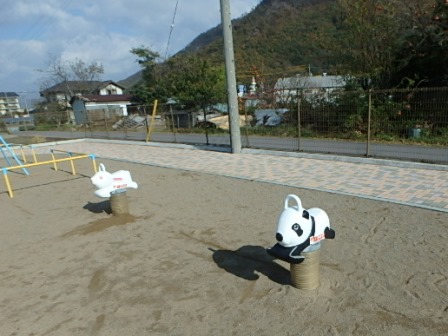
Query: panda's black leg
(329, 233)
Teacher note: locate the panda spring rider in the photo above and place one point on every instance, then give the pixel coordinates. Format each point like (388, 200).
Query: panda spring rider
(299, 230)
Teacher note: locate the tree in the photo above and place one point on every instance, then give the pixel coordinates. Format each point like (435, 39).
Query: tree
(193, 81)
(144, 91)
(422, 59)
(389, 42)
(367, 39)
(147, 60)
(76, 75)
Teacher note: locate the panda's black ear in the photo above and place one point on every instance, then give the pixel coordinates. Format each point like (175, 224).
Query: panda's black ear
(306, 214)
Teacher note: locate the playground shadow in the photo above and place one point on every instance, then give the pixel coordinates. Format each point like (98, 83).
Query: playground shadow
(99, 207)
(248, 260)
(29, 187)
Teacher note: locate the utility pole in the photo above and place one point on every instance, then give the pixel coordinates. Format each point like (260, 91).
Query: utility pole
(232, 96)
(25, 100)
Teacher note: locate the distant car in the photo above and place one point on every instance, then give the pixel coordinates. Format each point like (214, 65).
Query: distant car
(205, 124)
(269, 117)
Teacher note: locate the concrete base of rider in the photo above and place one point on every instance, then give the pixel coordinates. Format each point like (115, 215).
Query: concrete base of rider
(119, 202)
(306, 274)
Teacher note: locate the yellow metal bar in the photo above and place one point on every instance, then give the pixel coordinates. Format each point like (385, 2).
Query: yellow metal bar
(154, 110)
(94, 164)
(71, 162)
(71, 158)
(34, 154)
(47, 162)
(12, 147)
(23, 154)
(55, 166)
(8, 185)
(30, 147)
(73, 167)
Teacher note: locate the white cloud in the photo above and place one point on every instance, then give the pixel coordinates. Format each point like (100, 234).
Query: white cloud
(20, 64)
(118, 61)
(99, 30)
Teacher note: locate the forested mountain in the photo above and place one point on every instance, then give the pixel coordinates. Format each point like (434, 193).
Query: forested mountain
(395, 42)
(274, 38)
(268, 39)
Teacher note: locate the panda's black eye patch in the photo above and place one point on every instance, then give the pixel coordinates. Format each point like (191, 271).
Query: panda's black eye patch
(306, 214)
(297, 229)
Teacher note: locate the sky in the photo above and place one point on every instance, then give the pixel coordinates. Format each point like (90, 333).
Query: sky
(104, 31)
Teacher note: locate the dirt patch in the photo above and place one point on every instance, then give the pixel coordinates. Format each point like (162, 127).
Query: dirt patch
(191, 259)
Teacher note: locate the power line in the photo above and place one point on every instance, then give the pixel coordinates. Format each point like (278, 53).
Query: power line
(171, 30)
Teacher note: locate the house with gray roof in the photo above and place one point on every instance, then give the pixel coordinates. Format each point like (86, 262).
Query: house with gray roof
(85, 97)
(286, 89)
(64, 91)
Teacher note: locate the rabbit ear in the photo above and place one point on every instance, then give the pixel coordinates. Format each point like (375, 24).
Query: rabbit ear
(101, 167)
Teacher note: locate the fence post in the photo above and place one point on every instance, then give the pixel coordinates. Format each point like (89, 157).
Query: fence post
(369, 120)
(154, 110)
(299, 131)
(173, 128)
(125, 127)
(105, 113)
(245, 122)
(85, 121)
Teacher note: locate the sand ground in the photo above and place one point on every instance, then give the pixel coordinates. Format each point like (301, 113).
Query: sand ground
(190, 259)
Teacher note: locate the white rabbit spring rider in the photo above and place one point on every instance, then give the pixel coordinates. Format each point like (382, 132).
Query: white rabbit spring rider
(299, 230)
(106, 182)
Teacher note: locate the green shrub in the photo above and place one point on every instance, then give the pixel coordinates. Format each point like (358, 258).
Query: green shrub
(27, 128)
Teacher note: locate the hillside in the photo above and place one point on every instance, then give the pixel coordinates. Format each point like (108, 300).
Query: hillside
(271, 40)
(394, 42)
(131, 80)
(274, 37)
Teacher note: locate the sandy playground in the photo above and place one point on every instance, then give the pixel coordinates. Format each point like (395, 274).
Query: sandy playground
(190, 259)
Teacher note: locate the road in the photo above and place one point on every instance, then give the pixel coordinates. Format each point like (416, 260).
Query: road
(416, 153)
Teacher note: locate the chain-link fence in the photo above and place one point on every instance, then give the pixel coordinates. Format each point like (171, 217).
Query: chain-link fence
(395, 124)
(401, 124)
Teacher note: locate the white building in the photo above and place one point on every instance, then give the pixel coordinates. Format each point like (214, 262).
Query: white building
(9, 104)
(310, 87)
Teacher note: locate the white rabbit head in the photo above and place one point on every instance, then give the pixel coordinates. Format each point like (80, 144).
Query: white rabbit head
(102, 178)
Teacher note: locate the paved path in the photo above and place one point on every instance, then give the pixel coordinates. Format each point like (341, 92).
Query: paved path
(412, 184)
